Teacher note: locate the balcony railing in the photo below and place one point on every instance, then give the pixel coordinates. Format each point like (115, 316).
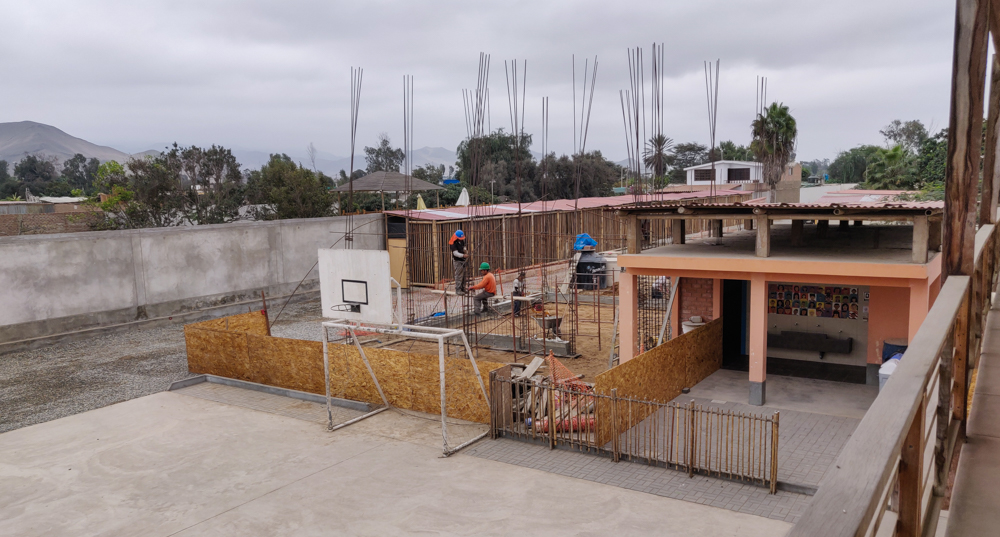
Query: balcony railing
(892, 475)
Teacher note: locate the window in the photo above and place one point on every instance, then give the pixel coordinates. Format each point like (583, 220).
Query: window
(703, 175)
(739, 175)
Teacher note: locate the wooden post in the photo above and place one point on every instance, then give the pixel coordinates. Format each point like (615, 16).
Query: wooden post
(921, 238)
(821, 227)
(910, 467)
(964, 137)
(633, 234)
(748, 223)
(844, 224)
(717, 228)
(436, 250)
(859, 223)
(797, 226)
(763, 225)
(960, 362)
(677, 231)
(991, 174)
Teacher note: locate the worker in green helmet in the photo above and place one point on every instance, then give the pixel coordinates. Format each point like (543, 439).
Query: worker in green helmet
(489, 288)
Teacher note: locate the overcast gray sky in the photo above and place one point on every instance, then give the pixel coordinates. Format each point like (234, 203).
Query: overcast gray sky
(274, 76)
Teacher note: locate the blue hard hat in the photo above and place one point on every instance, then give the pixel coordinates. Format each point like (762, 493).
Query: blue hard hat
(459, 234)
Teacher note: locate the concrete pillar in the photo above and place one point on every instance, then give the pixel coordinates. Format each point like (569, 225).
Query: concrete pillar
(628, 313)
(716, 298)
(677, 231)
(797, 226)
(758, 338)
(675, 308)
(919, 305)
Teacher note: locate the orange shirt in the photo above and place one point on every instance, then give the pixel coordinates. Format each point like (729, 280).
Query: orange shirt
(489, 284)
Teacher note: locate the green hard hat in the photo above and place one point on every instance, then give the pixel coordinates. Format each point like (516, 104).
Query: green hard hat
(484, 266)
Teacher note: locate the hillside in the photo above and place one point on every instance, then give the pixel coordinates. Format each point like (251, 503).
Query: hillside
(27, 137)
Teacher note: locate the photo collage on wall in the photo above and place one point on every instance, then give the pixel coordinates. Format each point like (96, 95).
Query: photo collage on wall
(838, 302)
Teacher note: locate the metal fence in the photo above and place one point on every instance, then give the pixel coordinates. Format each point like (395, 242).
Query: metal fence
(687, 437)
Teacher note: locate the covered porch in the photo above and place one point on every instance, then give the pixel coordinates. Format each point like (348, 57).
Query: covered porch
(884, 275)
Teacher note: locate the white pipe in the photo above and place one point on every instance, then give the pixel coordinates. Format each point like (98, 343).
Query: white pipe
(444, 407)
(359, 418)
(475, 368)
(465, 444)
(399, 301)
(326, 376)
(365, 360)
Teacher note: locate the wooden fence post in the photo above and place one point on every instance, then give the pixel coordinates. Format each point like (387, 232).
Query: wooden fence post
(910, 467)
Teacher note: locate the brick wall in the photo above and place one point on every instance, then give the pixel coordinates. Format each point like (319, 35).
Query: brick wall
(695, 296)
(40, 224)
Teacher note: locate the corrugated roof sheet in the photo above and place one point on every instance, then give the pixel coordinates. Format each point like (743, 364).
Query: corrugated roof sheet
(456, 213)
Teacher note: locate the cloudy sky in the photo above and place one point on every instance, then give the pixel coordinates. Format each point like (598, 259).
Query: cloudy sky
(275, 76)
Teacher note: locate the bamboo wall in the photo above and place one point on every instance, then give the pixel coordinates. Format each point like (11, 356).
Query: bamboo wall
(658, 375)
(409, 380)
(519, 240)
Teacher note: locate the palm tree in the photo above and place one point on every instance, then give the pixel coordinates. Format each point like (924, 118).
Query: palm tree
(657, 154)
(773, 143)
(890, 169)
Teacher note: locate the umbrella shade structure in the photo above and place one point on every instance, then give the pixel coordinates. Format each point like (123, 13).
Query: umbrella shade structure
(388, 182)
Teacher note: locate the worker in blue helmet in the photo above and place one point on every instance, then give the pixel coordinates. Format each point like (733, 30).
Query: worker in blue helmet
(458, 260)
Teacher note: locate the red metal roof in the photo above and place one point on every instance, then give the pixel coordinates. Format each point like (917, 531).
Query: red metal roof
(458, 213)
(860, 199)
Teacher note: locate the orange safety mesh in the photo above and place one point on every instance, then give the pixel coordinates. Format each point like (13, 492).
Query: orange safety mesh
(561, 376)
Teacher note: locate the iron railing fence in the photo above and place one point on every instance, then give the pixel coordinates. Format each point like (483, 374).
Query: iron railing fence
(688, 437)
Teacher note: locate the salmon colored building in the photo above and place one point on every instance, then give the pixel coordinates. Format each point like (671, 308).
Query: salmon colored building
(821, 290)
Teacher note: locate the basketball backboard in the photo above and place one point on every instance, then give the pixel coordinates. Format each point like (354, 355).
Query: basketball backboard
(355, 285)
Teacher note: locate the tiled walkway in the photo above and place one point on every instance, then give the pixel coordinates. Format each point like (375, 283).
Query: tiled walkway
(808, 443)
(734, 496)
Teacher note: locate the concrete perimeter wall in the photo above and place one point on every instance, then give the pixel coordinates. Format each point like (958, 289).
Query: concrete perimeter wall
(54, 284)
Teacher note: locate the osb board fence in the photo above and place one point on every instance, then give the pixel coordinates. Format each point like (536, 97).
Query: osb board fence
(658, 375)
(409, 380)
(252, 322)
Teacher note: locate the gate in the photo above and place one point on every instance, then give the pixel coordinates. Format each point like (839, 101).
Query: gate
(687, 437)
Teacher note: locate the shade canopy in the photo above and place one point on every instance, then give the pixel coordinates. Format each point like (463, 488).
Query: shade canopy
(389, 182)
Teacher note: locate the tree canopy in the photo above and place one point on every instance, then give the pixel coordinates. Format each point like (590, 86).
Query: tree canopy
(384, 157)
(773, 144)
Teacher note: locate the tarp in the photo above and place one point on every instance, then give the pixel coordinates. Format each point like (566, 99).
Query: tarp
(583, 241)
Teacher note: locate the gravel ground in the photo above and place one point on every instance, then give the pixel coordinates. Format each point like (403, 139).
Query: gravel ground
(65, 379)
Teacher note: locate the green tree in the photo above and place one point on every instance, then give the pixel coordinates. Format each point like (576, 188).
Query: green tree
(850, 165)
(213, 182)
(80, 172)
(342, 178)
(498, 160)
(909, 134)
(597, 175)
(728, 150)
(384, 157)
(773, 145)
(686, 155)
(892, 169)
(933, 158)
(656, 155)
(430, 173)
(282, 189)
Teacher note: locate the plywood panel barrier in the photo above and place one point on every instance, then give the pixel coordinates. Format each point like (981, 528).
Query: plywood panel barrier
(657, 375)
(409, 380)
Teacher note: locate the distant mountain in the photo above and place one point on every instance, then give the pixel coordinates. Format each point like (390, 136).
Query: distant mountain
(30, 138)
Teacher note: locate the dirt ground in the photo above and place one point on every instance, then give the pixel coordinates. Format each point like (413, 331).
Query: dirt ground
(592, 357)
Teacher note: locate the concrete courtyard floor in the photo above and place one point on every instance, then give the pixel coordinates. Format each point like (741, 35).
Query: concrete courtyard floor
(171, 464)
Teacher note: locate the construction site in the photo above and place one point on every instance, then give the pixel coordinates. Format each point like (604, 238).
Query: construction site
(697, 343)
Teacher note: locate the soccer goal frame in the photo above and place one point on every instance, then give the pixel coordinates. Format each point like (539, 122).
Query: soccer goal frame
(441, 335)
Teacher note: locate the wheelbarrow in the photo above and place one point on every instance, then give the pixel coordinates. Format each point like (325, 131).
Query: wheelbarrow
(549, 323)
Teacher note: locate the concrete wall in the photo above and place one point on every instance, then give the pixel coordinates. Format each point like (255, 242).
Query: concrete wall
(54, 284)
